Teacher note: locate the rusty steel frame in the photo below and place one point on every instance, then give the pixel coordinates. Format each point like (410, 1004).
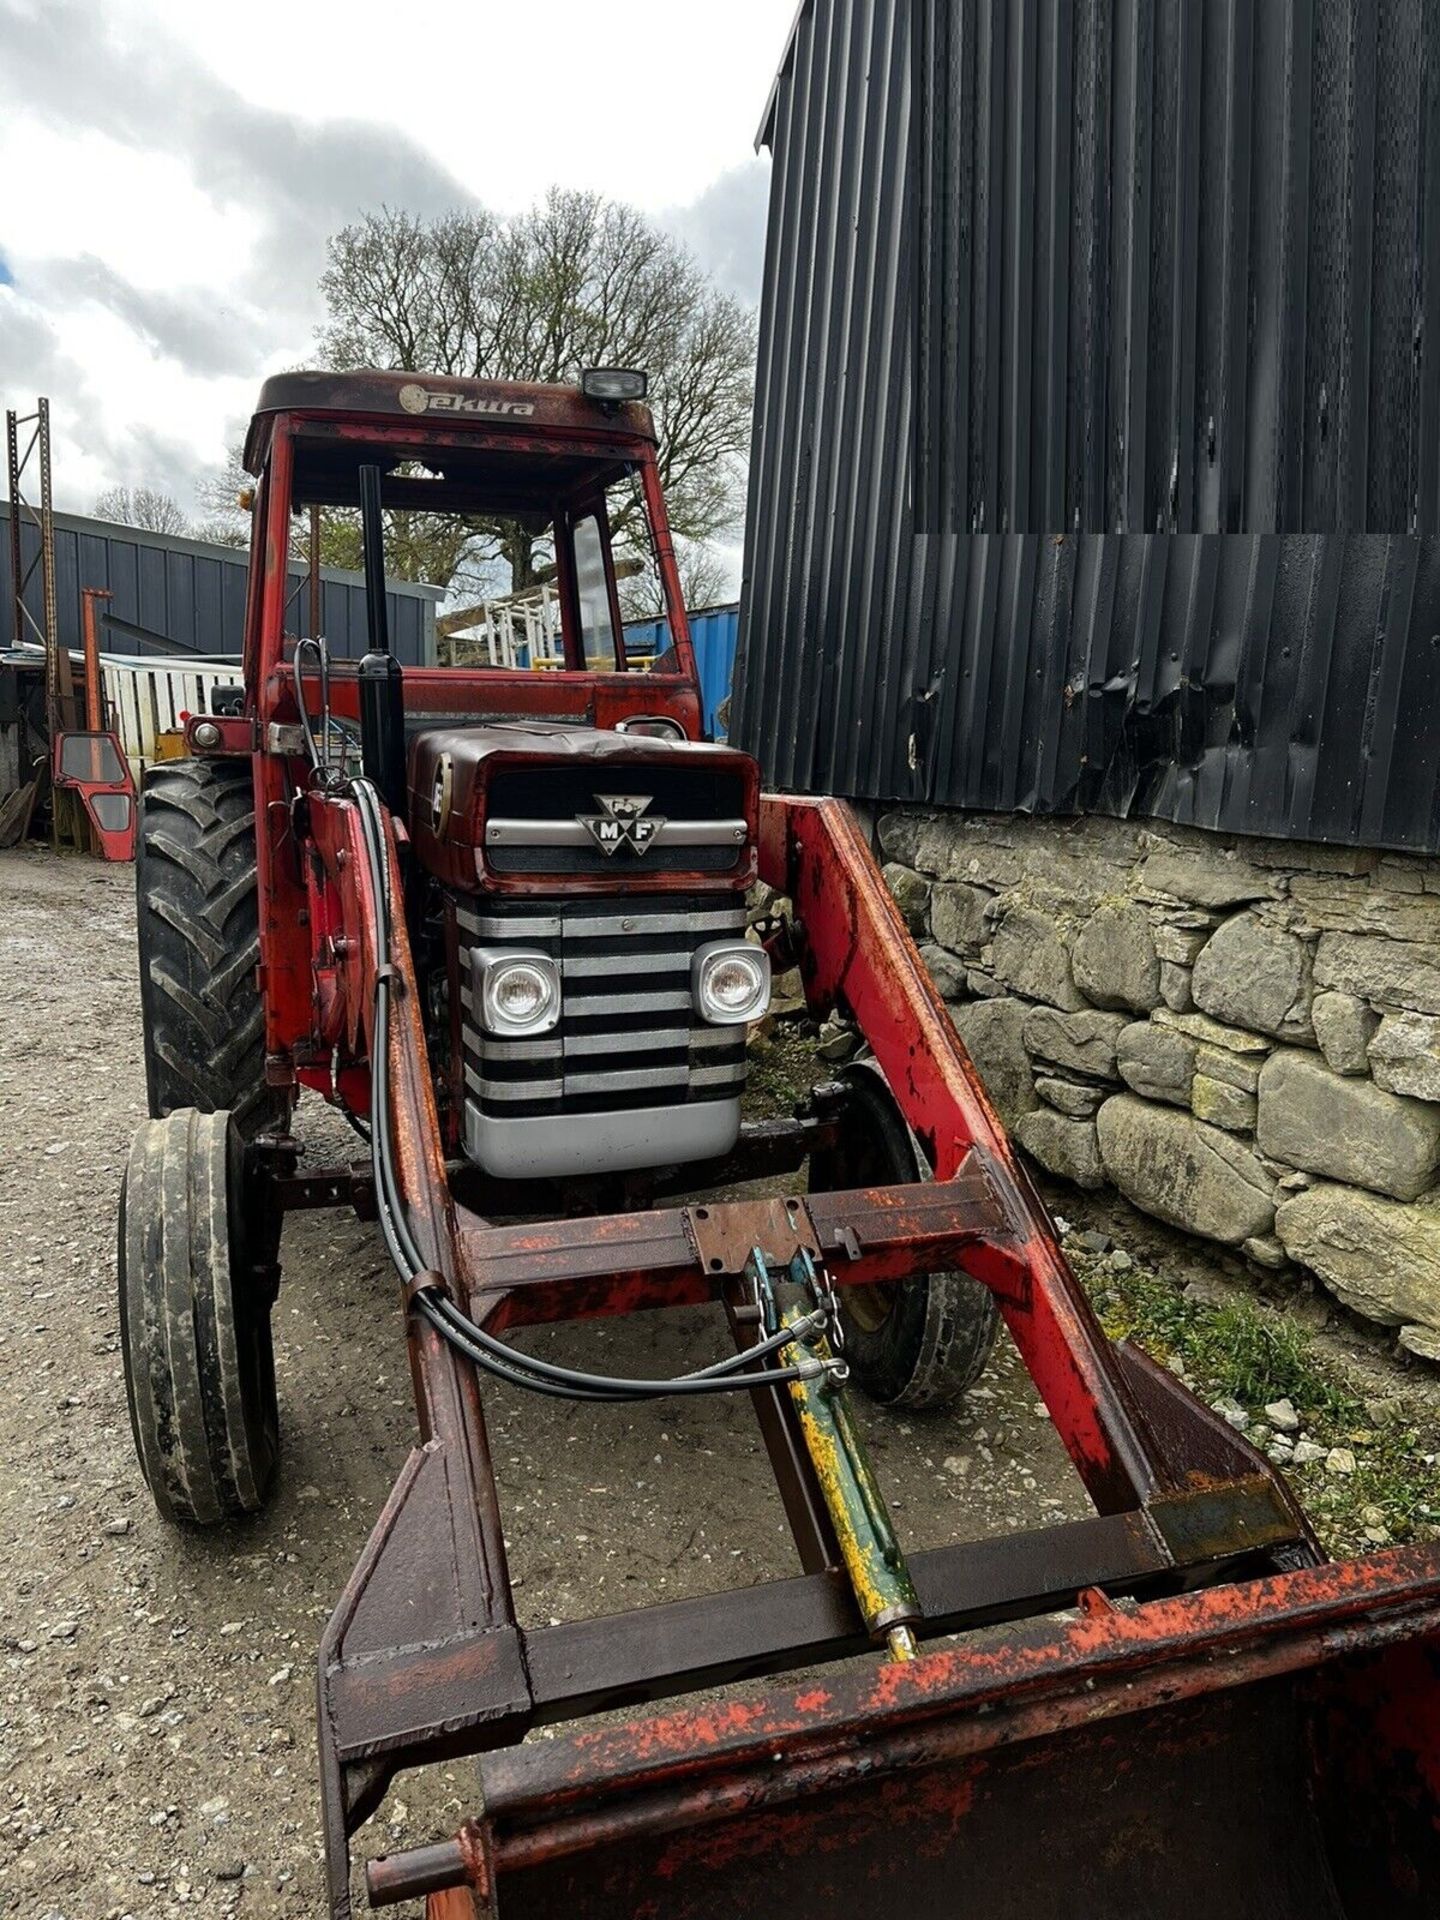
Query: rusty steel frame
(100, 751)
(424, 1658)
(30, 469)
(40, 516)
(60, 699)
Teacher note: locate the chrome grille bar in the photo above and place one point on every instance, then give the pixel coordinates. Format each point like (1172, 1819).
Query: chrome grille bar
(513, 1089)
(633, 922)
(666, 1000)
(626, 1079)
(574, 833)
(711, 922)
(551, 1047)
(733, 1073)
(602, 965)
(508, 926)
(652, 1041)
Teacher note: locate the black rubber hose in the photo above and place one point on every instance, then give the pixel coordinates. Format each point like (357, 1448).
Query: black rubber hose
(433, 1307)
(393, 1223)
(731, 1364)
(703, 1382)
(394, 1227)
(319, 757)
(430, 1304)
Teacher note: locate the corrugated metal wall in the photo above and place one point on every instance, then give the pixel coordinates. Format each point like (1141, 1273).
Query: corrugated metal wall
(1272, 684)
(827, 643)
(1179, 265)
(1038, 272)
(193, 594)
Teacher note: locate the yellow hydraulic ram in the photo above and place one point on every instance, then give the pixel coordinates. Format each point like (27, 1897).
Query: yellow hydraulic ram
(873, 1559)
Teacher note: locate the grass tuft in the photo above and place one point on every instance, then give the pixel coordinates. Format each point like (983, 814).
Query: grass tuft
(1241, 1351)
(1262, 1357)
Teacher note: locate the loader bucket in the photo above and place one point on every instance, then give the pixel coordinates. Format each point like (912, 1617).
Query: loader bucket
(1264, 1752)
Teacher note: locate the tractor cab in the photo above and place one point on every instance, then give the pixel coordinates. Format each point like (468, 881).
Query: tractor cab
(517, 495)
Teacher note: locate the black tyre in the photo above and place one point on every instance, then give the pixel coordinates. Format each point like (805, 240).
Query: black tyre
(198, 922)
(195, 1299)
(918, 1343)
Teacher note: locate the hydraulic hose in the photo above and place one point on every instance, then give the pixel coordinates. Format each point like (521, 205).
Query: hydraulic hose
(319, 755)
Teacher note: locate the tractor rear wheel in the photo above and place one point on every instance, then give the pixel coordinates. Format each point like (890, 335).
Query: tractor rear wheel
(916, 1343)
(198, 918)
(198, 1272)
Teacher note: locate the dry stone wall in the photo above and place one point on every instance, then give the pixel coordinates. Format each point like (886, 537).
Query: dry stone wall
(1241, 1036)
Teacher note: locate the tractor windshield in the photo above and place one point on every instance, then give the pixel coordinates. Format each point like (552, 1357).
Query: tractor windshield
(541, 556)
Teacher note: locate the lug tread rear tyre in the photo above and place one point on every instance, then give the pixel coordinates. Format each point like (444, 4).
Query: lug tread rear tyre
(199, 938)
(195, 1323)
(936, 1337)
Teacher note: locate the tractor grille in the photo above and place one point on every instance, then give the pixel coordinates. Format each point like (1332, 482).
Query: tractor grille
(534, 816)
(628, 1034)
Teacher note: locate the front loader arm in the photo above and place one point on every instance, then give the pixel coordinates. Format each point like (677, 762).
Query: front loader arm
(425, 1629)
(856, 952)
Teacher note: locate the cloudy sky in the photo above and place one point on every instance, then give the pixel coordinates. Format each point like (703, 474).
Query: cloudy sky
(171, 170)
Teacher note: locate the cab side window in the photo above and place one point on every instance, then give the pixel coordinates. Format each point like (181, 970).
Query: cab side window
(592, 590)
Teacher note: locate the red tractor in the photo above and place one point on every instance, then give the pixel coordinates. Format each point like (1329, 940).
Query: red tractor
(499, 918)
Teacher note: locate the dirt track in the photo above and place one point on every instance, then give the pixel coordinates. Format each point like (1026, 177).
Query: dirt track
(156, 1743)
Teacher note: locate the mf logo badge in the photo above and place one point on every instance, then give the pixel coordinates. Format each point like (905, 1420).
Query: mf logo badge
(624, 820)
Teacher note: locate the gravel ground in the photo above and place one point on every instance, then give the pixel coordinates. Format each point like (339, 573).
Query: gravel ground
(156, 1741)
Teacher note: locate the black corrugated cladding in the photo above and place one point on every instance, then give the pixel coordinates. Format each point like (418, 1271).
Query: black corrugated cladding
(1097, 444)
(191, 594)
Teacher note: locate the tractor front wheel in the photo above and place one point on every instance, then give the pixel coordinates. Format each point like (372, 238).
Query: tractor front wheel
(916, 1343)
(198, 1273)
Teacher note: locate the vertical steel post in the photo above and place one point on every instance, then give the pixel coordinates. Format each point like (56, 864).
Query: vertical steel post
(382, 701)
(61, 710)
(64, 683)
(315, 599)
(12, 468)
(94, 694)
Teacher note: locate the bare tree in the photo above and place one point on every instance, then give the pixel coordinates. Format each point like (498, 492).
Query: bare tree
(577, 281)
(145, 507)
(225, 521)
(221, 532)
(433, 547)
(704, 580)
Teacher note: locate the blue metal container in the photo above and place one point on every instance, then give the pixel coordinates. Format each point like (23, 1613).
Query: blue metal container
(713, 632)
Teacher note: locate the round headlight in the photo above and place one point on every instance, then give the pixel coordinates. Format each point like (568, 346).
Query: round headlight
(658, 726)
(519, 993)
(732, 982)
(731, 986)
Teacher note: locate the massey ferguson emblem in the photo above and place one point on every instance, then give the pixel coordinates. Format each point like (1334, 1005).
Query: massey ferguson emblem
(623, 821)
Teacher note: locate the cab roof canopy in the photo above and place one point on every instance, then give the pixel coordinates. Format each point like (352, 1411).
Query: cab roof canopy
(464, 433)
